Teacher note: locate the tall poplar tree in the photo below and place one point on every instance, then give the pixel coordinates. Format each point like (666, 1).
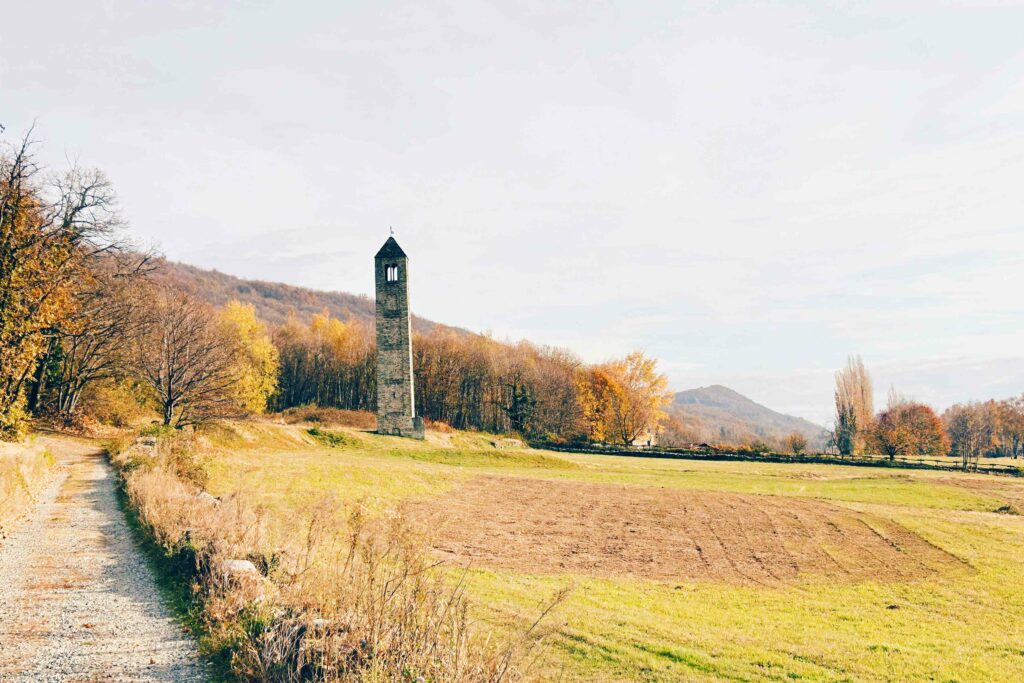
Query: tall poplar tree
(854, 407)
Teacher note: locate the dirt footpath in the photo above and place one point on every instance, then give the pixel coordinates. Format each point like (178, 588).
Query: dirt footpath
(670, 535)
(77, 600)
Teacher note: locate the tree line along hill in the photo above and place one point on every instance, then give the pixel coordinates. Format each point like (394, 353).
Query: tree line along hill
(712, 414)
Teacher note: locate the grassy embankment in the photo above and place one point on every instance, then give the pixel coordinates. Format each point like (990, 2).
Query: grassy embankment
(25, 469)
(960, 624)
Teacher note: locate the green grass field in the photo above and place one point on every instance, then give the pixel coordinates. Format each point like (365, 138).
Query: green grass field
(963, 623)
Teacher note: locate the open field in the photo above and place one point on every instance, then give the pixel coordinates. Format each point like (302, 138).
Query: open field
(687, 570)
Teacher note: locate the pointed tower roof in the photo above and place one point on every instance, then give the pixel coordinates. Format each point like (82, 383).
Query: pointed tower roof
(390, 250)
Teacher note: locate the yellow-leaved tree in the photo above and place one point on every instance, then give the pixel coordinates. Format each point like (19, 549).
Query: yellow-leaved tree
(623, 399)
(638, 407)
(255, 357)
(596, 391)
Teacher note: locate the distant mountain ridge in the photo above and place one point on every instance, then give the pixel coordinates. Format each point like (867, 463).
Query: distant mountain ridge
(719, 414)
(275, 301)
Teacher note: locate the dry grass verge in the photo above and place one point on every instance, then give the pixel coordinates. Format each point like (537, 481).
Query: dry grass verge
(25, 469)
(357, 419)
(342, 598)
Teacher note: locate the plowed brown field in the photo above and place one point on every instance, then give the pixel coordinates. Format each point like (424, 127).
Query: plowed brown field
(668, 534)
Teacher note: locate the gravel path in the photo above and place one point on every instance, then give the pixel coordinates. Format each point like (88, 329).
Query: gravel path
(77, 600)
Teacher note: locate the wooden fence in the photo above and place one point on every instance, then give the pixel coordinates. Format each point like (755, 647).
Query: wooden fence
(948, 464)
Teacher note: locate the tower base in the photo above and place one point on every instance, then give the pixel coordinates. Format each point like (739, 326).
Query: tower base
(401, 425)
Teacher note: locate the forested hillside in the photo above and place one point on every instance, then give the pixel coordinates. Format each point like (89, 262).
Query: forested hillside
(273, 301)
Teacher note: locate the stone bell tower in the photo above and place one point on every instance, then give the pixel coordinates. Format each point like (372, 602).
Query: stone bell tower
(396, 395)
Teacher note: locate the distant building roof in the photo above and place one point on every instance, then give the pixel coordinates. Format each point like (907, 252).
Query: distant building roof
(390, 250)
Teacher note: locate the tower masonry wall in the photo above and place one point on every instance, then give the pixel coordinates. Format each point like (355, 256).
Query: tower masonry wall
(396, 399)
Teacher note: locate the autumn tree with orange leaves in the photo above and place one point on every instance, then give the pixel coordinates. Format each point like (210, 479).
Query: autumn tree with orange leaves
(909, 428)
(623, 399)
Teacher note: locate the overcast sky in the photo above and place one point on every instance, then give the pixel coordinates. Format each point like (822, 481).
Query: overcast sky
(749, 191)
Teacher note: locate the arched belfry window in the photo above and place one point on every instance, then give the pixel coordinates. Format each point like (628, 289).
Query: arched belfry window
(391, 273)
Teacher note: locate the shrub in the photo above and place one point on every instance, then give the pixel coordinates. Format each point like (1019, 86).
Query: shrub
(330, 439)
(157, 429)
(759, 448)
(13, 422)
(438, 426)
(116, 403)
(117, 445)
(797, 443)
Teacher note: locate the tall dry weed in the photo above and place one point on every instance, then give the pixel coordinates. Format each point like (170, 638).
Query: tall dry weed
(25, 469)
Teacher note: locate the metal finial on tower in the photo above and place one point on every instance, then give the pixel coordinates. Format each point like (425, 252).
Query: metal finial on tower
(392, 230)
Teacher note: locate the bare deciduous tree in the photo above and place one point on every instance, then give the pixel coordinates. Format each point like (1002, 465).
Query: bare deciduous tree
(970, 432)
(186, 359)
(1009, 434)
(94, 343)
